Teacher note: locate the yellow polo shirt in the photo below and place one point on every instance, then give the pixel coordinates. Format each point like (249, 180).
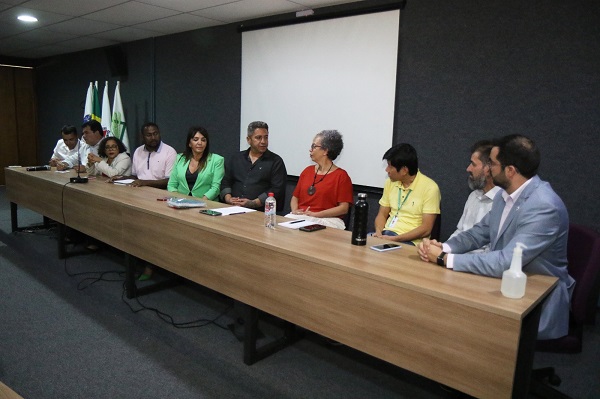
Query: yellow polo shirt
(422, 196)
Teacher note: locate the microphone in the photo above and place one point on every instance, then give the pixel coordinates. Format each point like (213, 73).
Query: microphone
(79, 179)
(34, 168)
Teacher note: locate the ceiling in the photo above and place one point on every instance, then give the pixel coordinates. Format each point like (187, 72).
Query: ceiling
(66, 26)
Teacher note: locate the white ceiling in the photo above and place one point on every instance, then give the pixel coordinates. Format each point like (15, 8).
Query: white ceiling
(65, 26)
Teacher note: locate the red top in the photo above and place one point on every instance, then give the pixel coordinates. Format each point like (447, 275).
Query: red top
(335, 187)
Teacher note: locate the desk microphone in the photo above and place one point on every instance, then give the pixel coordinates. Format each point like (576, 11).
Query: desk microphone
(79, 179)
(34, 168)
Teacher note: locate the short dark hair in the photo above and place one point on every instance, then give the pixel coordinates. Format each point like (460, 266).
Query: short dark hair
(331, 140)
(257, 125)
(483, 147)
(147, 125)
(102, 146)
(401, 155)
(68, 129)
(520, 152)
(94, 126)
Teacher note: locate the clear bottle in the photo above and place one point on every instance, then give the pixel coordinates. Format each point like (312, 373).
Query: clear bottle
(270, 211)
(361, 215)
(513, 279)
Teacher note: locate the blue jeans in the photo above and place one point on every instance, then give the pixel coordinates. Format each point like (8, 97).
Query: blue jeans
(391, 233)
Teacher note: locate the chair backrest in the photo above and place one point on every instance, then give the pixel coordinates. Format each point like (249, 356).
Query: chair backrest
(436, 230)
(583, 254)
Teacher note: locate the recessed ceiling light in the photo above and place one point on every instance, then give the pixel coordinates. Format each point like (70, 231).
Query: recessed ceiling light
(27, 18)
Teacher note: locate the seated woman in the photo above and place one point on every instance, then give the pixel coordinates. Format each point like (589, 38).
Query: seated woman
(197, 171)
(112, 159)
(324, 191)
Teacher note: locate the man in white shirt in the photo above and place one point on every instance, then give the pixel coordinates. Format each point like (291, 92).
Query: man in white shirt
(480, 181)
(92, 135)
(65, 151)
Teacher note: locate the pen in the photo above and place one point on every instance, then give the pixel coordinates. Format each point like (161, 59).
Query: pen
(237, 213)
(297, 221)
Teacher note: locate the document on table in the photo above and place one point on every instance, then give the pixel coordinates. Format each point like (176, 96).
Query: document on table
(124, 181)
(233, 210)
(296, 224)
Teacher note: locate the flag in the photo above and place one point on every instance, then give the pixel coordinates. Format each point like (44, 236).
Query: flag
(92, 105)
(89, 99)
(106, 116)
(119, 127)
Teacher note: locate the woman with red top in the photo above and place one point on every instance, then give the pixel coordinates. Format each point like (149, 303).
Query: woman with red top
(324, 191)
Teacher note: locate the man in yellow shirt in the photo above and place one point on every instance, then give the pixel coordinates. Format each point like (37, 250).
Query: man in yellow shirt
(410, 202)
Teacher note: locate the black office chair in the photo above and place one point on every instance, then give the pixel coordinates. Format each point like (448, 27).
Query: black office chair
(583, 254)
(437, 228)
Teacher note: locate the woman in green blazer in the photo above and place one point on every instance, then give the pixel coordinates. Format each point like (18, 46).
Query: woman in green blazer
(196, 171)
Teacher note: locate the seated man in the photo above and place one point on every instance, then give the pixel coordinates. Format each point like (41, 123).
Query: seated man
(92, 135)
(252, 174)
(410, 202)
(480, 181)
(65, 151)
(153, 161)
(528, 211)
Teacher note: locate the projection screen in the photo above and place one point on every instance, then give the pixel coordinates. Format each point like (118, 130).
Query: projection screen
(332, 74)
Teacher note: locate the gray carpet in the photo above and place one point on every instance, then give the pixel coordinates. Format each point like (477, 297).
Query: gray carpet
(65, 334)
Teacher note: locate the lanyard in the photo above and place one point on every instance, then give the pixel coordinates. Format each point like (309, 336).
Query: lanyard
(405, 198)
(393, 221)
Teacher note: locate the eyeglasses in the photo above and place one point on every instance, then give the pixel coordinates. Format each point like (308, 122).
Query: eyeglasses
(313, 146)
(112, 147)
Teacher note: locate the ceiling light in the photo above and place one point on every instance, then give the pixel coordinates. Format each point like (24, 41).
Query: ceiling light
(27, 18)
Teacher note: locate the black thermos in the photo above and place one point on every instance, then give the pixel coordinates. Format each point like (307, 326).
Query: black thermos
(361, 215)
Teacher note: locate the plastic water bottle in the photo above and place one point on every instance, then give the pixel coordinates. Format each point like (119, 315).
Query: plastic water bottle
(513, 279)
(270, 211)
(361, 215)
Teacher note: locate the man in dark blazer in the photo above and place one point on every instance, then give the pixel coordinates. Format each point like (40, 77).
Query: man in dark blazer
(527, 211)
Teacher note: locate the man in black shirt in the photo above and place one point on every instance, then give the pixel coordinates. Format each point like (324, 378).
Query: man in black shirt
(252, 174)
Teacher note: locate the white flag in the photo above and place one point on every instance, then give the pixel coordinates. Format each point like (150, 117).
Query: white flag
(106, 115)
(119, 127)
(89, 99)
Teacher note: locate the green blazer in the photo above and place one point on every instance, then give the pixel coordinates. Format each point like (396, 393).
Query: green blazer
(208, 181)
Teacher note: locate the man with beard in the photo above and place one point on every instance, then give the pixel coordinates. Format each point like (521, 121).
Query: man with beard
(252, 174)
(152, 162)
(528, 211)
(480, 181)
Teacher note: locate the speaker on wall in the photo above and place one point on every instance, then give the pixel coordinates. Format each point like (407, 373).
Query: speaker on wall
(117, 61)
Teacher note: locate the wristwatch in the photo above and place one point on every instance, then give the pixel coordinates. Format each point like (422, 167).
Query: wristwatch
(440, 259)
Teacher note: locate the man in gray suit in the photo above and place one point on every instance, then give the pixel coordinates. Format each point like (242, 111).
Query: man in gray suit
(528, 211)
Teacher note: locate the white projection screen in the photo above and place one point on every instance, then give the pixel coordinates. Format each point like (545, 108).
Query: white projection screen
(331, 74)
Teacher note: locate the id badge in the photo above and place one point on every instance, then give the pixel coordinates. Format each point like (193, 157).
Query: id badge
(393, 221)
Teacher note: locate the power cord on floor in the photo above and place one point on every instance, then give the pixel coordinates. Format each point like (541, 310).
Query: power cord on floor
(169, 319)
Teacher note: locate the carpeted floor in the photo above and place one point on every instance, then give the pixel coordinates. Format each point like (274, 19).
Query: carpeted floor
(66, 331)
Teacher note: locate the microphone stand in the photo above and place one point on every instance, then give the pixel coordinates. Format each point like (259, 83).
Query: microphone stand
(79, 179)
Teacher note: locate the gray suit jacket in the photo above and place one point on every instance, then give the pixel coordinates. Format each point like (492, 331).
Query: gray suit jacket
(538, 219)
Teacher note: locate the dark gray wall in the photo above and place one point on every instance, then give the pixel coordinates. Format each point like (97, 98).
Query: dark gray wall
(467, 70)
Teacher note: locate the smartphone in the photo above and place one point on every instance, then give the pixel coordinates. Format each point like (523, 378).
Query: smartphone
(210, 212)
(312, 227)
(386, 247)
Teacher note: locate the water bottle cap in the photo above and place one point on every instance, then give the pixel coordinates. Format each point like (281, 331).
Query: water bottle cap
(271, 195)
(362, 195)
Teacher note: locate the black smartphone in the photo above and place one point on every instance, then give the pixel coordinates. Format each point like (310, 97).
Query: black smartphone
(312, 227)
(210, 212)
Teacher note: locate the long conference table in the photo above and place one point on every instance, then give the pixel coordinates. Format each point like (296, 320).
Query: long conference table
(454, 328)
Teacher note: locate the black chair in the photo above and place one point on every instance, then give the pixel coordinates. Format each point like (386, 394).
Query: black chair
(583, 253)
(437, 228)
